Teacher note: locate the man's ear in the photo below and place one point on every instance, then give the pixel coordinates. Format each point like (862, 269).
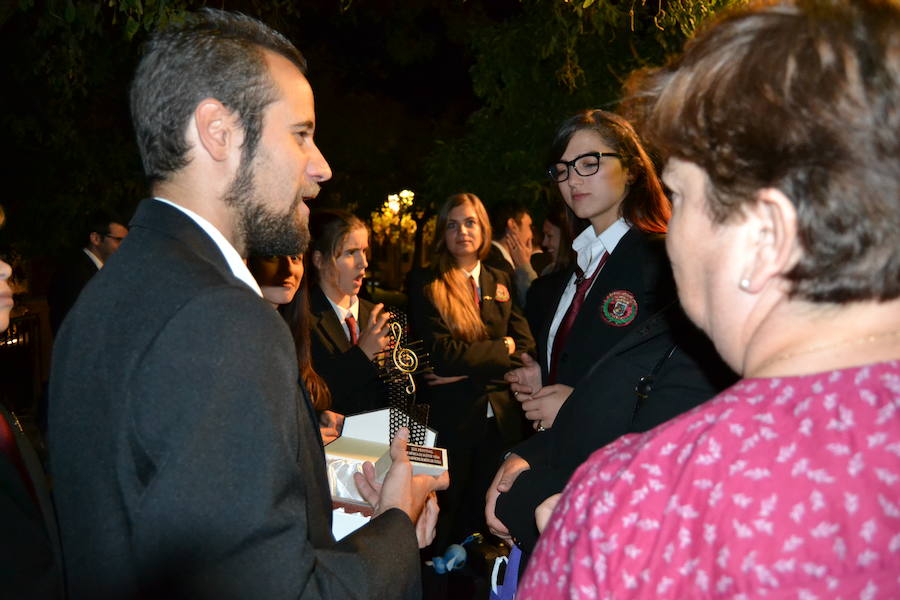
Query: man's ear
(512, 225)
(317, 260)
(772, 241)
(96, 238)
(216, 129)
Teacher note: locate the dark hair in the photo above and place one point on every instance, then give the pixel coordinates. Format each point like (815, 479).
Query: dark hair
(99, 221)
(645, 205)
(327, 230)
(213, 54)
(296, 314)
(800, 97)
(503, 212)
(559, 215)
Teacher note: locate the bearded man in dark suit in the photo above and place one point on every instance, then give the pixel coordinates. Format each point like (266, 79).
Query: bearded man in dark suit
(186, 458)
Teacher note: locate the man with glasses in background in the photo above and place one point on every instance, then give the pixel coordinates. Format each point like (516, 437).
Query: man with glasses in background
(104, 234)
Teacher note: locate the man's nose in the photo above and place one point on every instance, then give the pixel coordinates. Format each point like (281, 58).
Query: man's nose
(317, 168)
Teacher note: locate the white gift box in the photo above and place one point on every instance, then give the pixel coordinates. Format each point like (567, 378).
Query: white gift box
(366, 437)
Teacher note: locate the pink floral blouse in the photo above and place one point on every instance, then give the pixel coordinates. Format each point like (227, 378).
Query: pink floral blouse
(776, 488)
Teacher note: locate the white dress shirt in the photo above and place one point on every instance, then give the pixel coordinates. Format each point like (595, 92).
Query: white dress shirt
(342, 313)
(589, 248)
(234, 260)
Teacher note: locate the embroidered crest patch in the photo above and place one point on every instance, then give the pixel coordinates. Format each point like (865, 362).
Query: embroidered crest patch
(502, 294)
(619, 308)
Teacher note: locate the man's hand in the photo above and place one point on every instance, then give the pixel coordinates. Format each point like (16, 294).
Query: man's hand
(427, 523)
(544, 510)
(519, 252)
(503, 481)
(375, 336)
(543, 406)
(526, 380)
(400, 488)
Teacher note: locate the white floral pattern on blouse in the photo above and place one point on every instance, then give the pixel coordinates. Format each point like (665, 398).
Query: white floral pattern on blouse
(776, 488)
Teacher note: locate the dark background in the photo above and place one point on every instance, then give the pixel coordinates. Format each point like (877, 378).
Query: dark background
(429, 95)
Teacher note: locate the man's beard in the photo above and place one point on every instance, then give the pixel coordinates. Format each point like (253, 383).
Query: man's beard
(265, 233)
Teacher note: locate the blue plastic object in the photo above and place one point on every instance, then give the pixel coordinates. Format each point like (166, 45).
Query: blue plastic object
(454, 558)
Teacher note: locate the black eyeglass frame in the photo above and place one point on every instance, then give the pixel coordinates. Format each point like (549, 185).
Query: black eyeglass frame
(570, 164)
(113, 237)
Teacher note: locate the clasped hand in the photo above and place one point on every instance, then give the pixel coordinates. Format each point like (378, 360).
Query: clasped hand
(413, 494)
(540, 403)
(503, 482)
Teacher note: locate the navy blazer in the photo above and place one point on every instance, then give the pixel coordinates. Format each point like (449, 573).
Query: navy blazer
(638, 265)
(604, 364)
(186, 460)
(351, 377)
(458, 408)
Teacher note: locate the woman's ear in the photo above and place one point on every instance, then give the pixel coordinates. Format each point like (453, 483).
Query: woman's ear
(772, 241)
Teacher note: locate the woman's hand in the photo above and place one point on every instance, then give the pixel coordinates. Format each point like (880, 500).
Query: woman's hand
(526, 380)
(544, 510)
(433, 379)
(503, 482)
(375, 336)
(543, 406)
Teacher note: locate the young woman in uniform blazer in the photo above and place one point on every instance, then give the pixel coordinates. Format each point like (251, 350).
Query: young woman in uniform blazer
(337, 257)
(628, 331)
(464, 312)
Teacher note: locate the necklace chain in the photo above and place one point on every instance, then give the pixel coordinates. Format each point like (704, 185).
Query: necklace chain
(847, 341)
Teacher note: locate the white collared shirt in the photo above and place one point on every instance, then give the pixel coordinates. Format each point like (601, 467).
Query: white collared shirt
(589, 248)
(342, 313)
(94, 258)
(234, 260)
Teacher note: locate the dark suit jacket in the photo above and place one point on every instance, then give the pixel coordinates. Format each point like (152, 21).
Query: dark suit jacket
(68, 281)
(638, 265)
(350, 375)
(496, 260)
(186, 460)
(604, 406)
(458, 408)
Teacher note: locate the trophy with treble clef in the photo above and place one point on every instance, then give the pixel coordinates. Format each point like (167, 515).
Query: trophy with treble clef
(399, 363)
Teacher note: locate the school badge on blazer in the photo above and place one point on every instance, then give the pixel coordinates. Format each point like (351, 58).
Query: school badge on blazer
(502, 294)
(619, 308)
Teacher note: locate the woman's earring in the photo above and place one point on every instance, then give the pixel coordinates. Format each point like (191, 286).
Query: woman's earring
(744, 284)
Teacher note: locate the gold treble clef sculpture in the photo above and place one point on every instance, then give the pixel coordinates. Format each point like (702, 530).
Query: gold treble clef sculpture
(405, 359)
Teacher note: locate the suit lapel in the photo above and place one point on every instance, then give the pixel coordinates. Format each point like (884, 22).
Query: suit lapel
(491, 308)
(327, 321)
(623, 271)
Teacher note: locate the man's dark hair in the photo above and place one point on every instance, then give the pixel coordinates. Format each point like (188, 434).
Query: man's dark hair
(213, 54)
(98, 221)
(503, 212)
(801, 97)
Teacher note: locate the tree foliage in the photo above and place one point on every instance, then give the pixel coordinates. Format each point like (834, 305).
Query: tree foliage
(396, 107)
(552, 59)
